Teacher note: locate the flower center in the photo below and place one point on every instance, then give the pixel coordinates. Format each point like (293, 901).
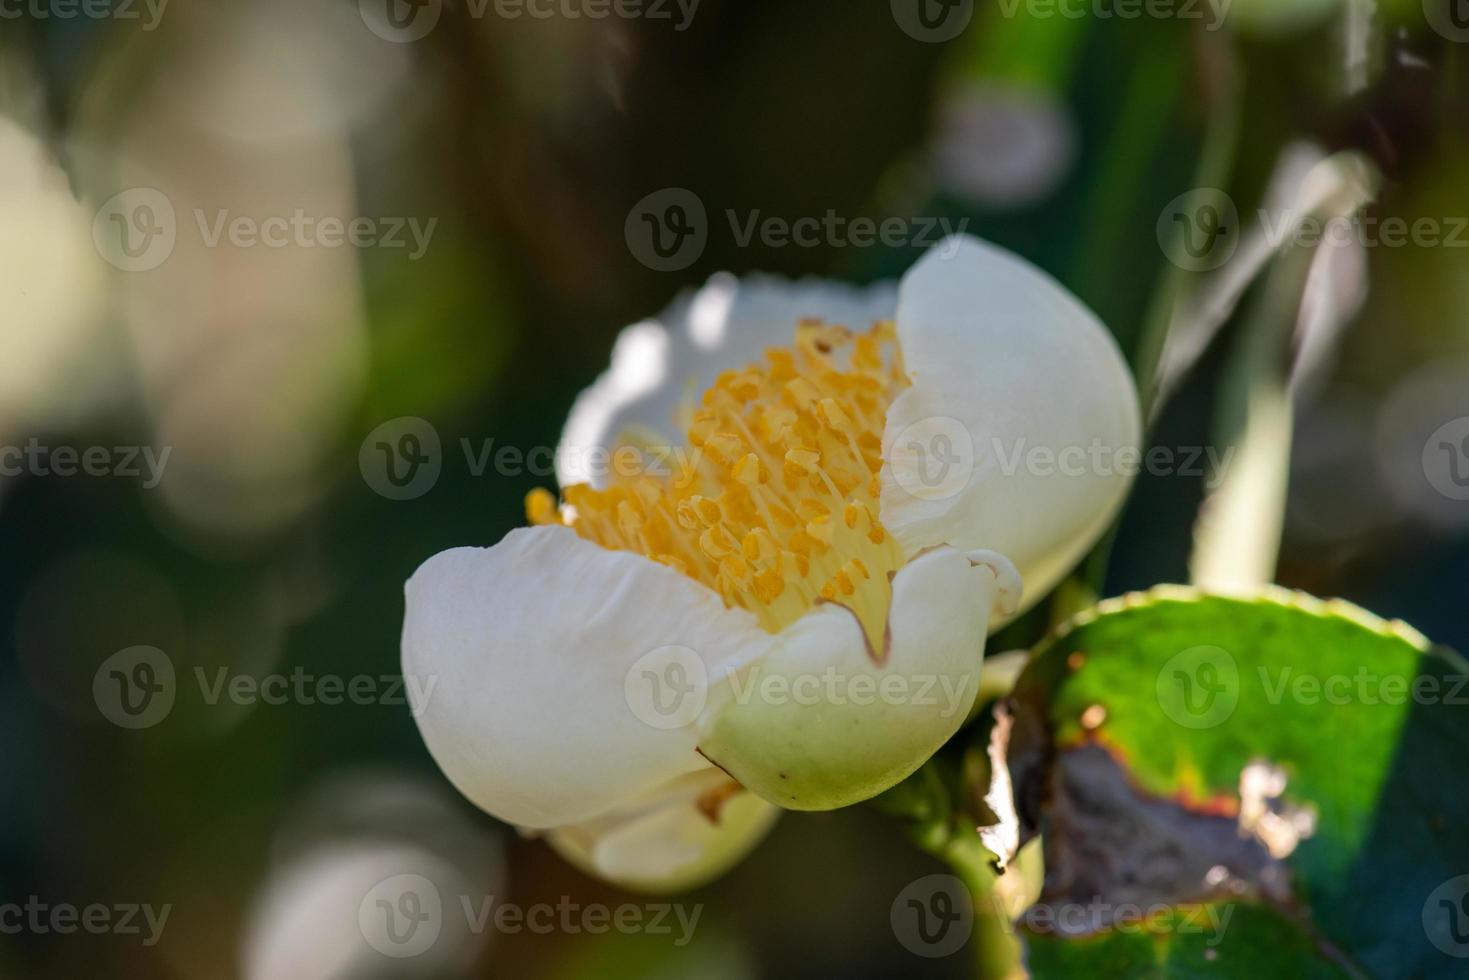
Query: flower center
(775, 506)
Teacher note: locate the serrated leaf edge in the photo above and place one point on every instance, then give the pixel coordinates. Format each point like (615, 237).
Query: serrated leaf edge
(1274, 595)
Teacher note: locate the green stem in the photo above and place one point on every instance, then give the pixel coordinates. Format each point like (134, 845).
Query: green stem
(1216, 163)
(998, 954)
(927, 805)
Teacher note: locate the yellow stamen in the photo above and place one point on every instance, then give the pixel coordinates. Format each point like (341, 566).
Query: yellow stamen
(779, 507)
(540, 507)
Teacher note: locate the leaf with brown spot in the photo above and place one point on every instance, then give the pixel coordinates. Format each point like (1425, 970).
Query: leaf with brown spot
(1297, 764)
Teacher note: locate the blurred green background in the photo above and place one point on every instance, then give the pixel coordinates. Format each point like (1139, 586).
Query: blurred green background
(264, 550)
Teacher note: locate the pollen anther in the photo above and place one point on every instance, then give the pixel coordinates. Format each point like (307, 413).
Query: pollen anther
(779, 504)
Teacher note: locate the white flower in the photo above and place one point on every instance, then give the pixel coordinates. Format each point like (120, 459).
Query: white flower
(797, 608)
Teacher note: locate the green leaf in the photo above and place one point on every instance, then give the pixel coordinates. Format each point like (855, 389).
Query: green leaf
(1279, 780)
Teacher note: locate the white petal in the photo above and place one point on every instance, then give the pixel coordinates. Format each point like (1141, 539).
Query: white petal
(819, 724)
(661, 366)
(670, 844)
(530, 646)
(1005, 363)
(309, 923)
